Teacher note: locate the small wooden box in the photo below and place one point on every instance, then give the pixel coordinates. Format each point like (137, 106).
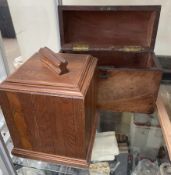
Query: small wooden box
(52, 117)
(123, 39)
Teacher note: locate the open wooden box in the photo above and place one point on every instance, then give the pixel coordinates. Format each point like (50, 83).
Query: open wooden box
(123, 39)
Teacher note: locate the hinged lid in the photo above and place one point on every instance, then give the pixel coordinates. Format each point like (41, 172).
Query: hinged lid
(122, 28)
(36, 75)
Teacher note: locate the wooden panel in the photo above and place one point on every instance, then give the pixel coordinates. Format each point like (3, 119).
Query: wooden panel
(48, 124)
(165, 123)
(51, 158)
(127, 81)
(139, 60)
(34, 72)
(7, 111)
(46, 113)
(90, 110)
(30, 107)
(71, 161)
(127, 90)
(112, 25)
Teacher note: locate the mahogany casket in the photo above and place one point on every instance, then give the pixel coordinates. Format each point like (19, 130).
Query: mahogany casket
(50, 108)
(123, 39)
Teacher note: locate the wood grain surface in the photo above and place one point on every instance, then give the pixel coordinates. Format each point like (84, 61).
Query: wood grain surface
(127, 90)
(109, 25)
(164, 122)
(123, 39)
(47, 120)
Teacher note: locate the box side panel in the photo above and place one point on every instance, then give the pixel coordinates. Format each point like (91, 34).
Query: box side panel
(128, 90)
(45, 124)
(79, 126)
(90, 112)
(5, 105)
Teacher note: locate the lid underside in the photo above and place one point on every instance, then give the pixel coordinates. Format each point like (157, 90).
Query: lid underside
(100, 27)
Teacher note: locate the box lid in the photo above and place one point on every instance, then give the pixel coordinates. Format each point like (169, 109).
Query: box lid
(36, 75)
(123, 28)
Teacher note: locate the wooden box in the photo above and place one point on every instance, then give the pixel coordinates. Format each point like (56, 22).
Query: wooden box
(123, 39)
(50, 116)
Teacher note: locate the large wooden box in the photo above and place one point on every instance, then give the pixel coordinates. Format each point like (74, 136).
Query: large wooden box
(52, 117)
(123, 39)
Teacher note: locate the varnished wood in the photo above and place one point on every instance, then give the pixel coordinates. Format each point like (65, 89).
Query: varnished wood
(127, 90)
(34, 76)
(109, 25)
(130, 83)
(52, 117)
(83, 163)
(165, 123)
(127, 81)
(123, 39)
(53, 158)
(55, 62)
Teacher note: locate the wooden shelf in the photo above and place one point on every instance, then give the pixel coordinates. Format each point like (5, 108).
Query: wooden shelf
(165, 123)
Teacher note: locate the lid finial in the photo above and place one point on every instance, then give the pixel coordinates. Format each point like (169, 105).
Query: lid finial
(53, 61)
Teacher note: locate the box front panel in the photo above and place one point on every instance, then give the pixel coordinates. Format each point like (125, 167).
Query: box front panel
(128, 90)
(46, 124)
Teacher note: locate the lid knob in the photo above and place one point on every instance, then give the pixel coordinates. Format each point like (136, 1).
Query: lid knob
(53, 61)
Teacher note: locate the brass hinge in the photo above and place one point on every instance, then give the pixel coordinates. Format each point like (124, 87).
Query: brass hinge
(80, 47)
(131, 49)
(85, 47)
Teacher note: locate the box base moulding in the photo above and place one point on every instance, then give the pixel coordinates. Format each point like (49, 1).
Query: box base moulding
(81, 163)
